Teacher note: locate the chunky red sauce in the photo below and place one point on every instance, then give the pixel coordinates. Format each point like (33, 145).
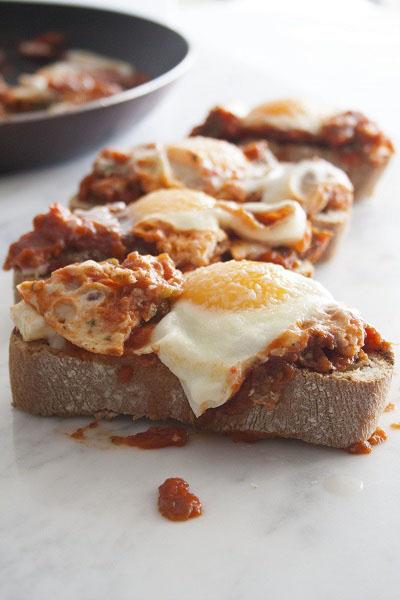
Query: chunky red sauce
(59, 229)
(79, 434)
(365, 447)
(286, 257)
(374, 341)
(378, 437)
(139, 337)
(350, 132)
(106, 187)
(175, 502)
(153, 438)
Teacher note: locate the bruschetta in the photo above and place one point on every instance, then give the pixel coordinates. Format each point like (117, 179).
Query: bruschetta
(194, 228)
(296, 131)
(231, 347)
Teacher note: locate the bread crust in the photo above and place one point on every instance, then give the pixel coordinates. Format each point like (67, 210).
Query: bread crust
(335, 410)
(336, 222)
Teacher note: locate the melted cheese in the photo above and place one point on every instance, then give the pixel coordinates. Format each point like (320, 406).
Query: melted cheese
(246, 221)
(109, 215)
(29, 323)
(32, 326)
(151, 165)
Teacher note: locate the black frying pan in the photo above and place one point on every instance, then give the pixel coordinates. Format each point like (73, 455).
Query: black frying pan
(37, 138)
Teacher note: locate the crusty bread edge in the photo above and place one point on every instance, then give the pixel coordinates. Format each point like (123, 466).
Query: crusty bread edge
(336, 410)
(336, 222)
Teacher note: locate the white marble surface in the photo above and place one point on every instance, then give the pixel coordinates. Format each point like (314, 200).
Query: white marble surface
(281, 519)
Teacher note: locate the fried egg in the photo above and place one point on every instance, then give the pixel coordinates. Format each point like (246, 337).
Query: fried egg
(199, 160)
(288, 114)
(225, 322)
(206, 164)
(284, 223)
(307, 181)
(184, 210)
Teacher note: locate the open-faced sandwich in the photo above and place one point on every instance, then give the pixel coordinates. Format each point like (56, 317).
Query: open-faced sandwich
(216, 167)
(245, 173)
(296, 131)
(194, 228)
(232, 347)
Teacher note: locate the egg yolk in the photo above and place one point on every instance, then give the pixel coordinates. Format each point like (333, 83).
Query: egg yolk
(214, 155)
(280, 107)
(234, 286)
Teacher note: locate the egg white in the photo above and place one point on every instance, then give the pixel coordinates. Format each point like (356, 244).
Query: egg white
(184, 210)
(211, 349)
(189, 210)
(299, 115)
(299, 181)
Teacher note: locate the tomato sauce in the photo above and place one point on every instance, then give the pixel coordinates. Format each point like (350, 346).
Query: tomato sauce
(80, 433)
(374, 341)
(141, 336)
(153, 438)
(365, 447)
(59, 230)
(175, 502)
(350, 133)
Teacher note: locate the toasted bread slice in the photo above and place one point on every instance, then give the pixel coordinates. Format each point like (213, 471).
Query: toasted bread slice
(333, 222)
(296, 131)
(337, 409)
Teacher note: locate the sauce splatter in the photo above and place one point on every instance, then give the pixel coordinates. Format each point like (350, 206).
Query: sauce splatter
(395, 425)
(378, 437)
(79, 434)
(175, 502)
(389, 407)
(154, 437)
(365, 447)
